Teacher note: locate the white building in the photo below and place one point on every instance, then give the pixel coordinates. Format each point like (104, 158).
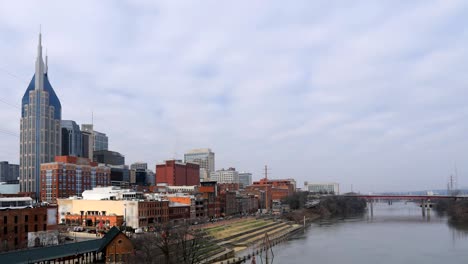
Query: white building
(112, 193)
(331, 187)
(205, 158)
(225, 176)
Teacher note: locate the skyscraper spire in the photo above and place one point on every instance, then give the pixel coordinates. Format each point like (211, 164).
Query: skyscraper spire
(39, 84)
(46, 63)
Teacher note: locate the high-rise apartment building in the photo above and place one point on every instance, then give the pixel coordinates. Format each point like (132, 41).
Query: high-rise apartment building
(101, 141)
(40, 129)
(225, 176)
(8, 172)
(245, 179)
(71, 139)
(205, 158)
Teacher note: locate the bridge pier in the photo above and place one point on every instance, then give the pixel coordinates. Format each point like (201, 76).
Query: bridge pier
(423, 208)
(371, 207)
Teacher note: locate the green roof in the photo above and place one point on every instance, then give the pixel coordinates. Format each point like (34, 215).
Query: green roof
(59, 251)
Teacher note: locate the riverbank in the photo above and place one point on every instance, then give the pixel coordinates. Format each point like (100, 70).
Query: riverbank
(328, 207)
(456, 210)
(248, 237)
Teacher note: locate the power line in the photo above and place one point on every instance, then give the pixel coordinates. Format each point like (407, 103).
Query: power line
(6, 132)
(9, 104)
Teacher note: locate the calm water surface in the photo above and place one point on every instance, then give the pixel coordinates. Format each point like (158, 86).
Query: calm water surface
(396, 233)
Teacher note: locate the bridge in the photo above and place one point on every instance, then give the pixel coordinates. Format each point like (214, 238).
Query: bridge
(404, 197)
(424, 199)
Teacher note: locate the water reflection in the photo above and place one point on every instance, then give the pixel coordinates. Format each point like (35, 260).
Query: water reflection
(397, 233)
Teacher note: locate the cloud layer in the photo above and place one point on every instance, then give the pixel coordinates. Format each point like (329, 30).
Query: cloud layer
(363, 93)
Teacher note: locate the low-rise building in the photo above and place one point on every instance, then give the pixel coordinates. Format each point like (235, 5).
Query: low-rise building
(20, 218)
(95, 207)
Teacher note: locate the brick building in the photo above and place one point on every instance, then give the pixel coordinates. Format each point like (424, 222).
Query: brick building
(177, 173)
(70, 176)
(18, 218)
(280, 188)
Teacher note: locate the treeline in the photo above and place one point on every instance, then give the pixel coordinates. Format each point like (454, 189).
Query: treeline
(329, 206)
(456, 210)
(340, 206)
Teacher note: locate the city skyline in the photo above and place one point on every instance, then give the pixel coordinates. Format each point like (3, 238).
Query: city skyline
(376, 103)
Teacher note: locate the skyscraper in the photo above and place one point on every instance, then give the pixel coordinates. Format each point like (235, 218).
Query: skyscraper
(87, 133)
(71, 139)
(203, 157)
(40, 131)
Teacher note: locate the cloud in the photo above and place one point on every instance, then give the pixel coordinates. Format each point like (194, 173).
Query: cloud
(363, 93)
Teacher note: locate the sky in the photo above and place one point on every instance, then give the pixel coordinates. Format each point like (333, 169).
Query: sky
(369, 94)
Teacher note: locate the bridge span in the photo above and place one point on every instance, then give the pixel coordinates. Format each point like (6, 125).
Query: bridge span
(405, 197)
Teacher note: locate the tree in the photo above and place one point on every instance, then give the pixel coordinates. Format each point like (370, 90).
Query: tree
(171, 244)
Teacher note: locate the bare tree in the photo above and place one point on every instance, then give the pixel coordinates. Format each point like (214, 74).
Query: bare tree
(170, 244)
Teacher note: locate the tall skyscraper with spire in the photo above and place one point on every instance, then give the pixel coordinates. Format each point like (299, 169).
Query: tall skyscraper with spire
(40, 135)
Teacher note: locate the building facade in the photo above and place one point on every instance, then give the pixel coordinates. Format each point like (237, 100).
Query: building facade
(101, 141)
(329, 188)
(8, 172)
(109, 157)
(18, 218)
(87, 141)
(134, 208)
(40, 133)
(245, 179)
(205, 158)
(71, 139)
(177, 173)
(70, 176)
(225, 176)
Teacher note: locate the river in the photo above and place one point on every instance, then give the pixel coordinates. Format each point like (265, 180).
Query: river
(396, 233)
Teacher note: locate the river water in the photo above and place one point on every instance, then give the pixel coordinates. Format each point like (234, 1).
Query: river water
(396, 233)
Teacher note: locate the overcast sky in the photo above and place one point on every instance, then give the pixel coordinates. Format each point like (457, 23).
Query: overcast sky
(368, 93)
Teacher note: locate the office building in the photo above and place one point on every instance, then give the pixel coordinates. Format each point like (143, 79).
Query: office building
(109, 157)
(8, 172)
(245, 179)
(280, 188)
(225, 176)
(87, 141)
(178, 173)
(326, 188)
(205, 158)
(40, 129)
(139, 166)
(71, 139)
(101, 141)
(70, 176)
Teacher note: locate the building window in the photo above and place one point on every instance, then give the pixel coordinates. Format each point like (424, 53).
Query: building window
(5, 219)
(26, 228)
(45, 227)
(45, 217)
(35, 228)
(16, 219)
(16, 229)
(35, 218)
(26, 218)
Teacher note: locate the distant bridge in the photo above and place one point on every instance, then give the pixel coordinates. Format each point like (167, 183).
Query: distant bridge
(405, 197)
